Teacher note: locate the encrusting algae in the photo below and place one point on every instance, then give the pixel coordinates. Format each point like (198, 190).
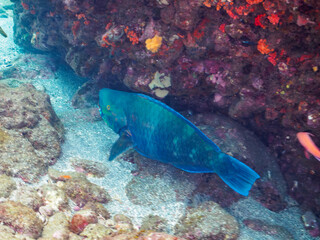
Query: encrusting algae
(153, 44)
(3, 136)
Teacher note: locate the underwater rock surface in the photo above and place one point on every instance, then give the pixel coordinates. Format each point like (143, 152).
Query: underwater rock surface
(234, 139)
(207, 221)
(7, 186)
(30, 132)
(20, 218)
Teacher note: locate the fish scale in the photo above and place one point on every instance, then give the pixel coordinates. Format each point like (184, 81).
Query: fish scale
(158, 132)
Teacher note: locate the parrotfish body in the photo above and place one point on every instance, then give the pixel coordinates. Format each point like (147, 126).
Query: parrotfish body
(158, 132)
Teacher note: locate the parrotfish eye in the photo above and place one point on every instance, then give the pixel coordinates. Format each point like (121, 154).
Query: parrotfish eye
(108, 107)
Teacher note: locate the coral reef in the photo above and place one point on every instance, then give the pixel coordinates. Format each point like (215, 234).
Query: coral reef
(256, 61)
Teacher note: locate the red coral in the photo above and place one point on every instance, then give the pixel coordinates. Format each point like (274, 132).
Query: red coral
(257, 21)
(244, 10)
(263, 47)
(267, 5)
(25, 5)
(222, 27)
(272, 58)
(82, 15)
(254, 1)
(75, 28)
(199, 31)
(132, 36)
(231, 14)
(274, 19)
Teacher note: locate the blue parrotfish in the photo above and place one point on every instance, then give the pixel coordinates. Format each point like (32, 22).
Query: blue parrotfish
(158, 132)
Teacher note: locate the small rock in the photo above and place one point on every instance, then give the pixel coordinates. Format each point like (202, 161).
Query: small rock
(81, 219)
(55, 197)
(27, 196)
(96, 232)
(207, 221)
(81, 191)
(154, 223)
(97, 169)
(122, 223)
(57, 228)
(98, 208)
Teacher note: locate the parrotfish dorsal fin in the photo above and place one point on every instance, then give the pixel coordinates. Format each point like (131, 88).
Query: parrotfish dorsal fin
(123, 144)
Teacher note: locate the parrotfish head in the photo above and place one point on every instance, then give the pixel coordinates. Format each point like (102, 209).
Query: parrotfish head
(111, 109)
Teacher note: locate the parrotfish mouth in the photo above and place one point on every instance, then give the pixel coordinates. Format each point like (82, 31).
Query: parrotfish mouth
(100, 110)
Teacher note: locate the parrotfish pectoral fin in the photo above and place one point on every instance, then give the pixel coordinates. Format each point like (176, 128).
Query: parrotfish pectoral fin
(236, 174)
(3, 32)
(123, 144)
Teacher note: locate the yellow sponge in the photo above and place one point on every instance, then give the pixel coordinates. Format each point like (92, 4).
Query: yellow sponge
(153, 44)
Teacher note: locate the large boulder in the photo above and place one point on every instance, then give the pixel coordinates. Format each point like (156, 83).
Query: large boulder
(30, 132)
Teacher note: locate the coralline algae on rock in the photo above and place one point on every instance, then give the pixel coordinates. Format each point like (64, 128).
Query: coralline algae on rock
(54, 197)
(20, 218)
(81, 191)
(27, 196)
(31, 132)
(7, 185)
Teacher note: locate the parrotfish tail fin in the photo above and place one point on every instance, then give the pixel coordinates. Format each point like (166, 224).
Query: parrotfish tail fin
(235, 174)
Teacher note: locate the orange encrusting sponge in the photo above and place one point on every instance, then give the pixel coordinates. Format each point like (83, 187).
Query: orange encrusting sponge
(153, 44)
